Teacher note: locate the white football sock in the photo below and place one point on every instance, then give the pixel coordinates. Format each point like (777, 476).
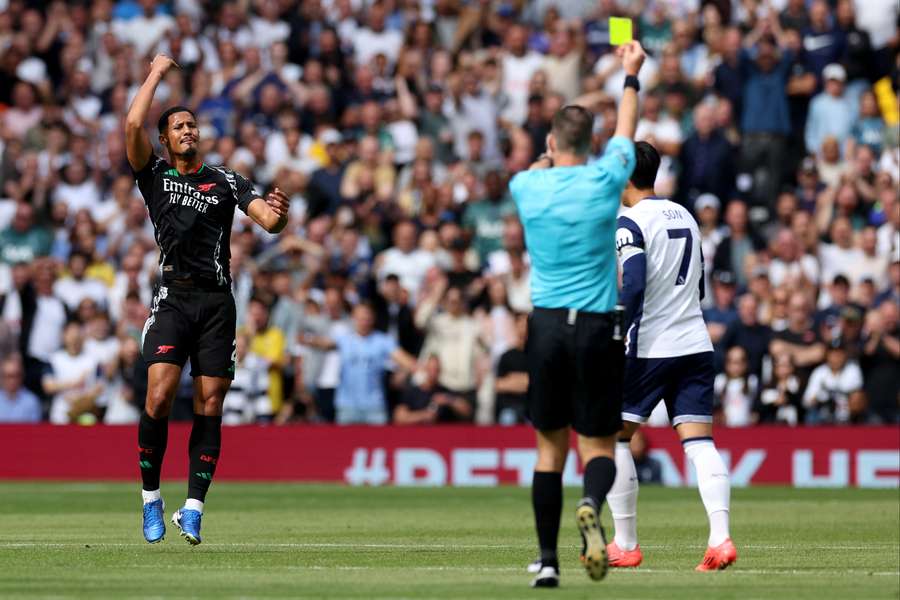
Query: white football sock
(150, 496)
(193, 504)
(714, 485)
(622, 498)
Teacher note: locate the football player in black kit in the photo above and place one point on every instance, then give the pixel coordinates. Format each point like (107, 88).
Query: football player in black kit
(191, 205)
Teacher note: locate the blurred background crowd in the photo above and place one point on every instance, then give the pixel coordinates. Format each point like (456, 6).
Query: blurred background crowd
(399, 291)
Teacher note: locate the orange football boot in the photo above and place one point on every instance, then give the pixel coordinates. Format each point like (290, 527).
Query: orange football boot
(718, 558)
(624, 558)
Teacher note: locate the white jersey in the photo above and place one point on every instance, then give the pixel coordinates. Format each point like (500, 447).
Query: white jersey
(666, 319)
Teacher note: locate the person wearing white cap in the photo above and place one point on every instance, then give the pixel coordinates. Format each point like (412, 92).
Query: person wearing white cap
(706, 209)
(831, 112)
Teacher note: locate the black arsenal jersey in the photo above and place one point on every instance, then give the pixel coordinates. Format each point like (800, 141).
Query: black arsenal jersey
(192, 216)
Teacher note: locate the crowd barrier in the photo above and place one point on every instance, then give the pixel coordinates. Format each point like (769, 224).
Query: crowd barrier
(444, 455)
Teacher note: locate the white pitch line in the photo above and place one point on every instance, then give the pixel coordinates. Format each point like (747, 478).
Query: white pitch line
(389, 546)
(439, 568)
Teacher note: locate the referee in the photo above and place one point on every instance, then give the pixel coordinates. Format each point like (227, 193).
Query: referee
(191, 205)
(575, 359)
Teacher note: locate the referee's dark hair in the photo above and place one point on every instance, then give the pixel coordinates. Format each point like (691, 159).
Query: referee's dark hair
(646, 164)
(572, 128)
(164, 118)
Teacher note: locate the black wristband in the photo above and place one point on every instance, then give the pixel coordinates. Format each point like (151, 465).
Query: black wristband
(631, 81)
(546, 157)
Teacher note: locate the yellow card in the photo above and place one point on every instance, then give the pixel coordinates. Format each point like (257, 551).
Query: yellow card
(619, 31)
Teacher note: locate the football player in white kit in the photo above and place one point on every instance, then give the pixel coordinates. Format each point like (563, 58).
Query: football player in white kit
(669, 357)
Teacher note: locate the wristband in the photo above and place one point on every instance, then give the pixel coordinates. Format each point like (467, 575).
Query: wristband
(546, 157)
(631, 81)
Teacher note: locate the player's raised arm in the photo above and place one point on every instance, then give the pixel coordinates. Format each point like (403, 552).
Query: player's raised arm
(632, 55)
(137, 143)
(271, 212)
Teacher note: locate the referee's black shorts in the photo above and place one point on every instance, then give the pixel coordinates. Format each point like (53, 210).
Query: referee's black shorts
(575, 370)
(193, 323)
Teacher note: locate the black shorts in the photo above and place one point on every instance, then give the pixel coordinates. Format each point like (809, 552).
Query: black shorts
(574, 372)
(192, 323)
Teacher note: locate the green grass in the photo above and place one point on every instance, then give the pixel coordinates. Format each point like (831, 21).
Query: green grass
(84, 540)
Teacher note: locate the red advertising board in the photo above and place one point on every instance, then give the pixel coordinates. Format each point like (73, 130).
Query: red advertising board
(448, 455)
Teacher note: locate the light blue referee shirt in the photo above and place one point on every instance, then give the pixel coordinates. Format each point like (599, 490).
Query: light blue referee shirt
(569, 216)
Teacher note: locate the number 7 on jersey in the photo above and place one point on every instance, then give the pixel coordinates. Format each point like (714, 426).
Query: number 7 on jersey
(685, 234)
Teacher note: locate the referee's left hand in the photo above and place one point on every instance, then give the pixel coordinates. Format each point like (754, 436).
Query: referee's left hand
(278, 202)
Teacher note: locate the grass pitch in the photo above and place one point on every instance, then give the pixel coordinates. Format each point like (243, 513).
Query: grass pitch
(300, 541)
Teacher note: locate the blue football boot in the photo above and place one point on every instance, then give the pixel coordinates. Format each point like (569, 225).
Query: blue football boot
(188, 521)
(154, 521)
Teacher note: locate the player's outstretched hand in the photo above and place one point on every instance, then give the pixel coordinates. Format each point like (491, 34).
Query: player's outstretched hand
(632, 55)
(162, 63)
(278, 202)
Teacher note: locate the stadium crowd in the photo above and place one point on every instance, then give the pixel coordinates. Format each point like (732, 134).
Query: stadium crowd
(395, 125)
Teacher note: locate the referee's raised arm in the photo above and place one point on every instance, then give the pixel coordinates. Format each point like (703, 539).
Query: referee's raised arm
(632, 55)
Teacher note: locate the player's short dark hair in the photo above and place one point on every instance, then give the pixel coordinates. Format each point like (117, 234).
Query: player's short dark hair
(163, 122)
(646, 164)
(572, 127)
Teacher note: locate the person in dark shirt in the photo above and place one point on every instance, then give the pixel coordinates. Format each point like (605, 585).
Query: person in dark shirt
(799, 340)
(394, 316)
(191, 205)
(728, 80)
(722, 313)
(459, 275)
(324, 190)
(511, 385)
(879, 362)
(706, 160)
(748, 333)
(823, 43)
(427, 402)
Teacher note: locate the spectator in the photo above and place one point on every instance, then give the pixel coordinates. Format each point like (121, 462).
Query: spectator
(831, 113)
(511, 383)
(518, 65)
(483, 219)
(765, 120)
(23, 240)
(780, 400)
(249, 388)
(790, 265)
(879, 362)
(799, 339)
(840, 256)
(706, 160)
(72, 379)
(364, 354)
(77, 286)
(405, 260)
(426, 402)
(749, 334)
(453, 336)
(722, 313)
(17, 404)
(822, 41)
(869, 127)
(736, 390)
(269, 344)
(835, 390)
(738, 244)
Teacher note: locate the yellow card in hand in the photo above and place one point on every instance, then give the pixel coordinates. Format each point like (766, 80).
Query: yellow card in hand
(619, 31)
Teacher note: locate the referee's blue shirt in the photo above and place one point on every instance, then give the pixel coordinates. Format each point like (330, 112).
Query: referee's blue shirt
(569, 216)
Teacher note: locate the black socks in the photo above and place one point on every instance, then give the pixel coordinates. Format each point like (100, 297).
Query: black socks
(599, 475)
(203, 448)
(547, 498)
(153, 434)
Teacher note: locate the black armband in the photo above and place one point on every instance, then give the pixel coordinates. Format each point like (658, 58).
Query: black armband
(631, 81)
